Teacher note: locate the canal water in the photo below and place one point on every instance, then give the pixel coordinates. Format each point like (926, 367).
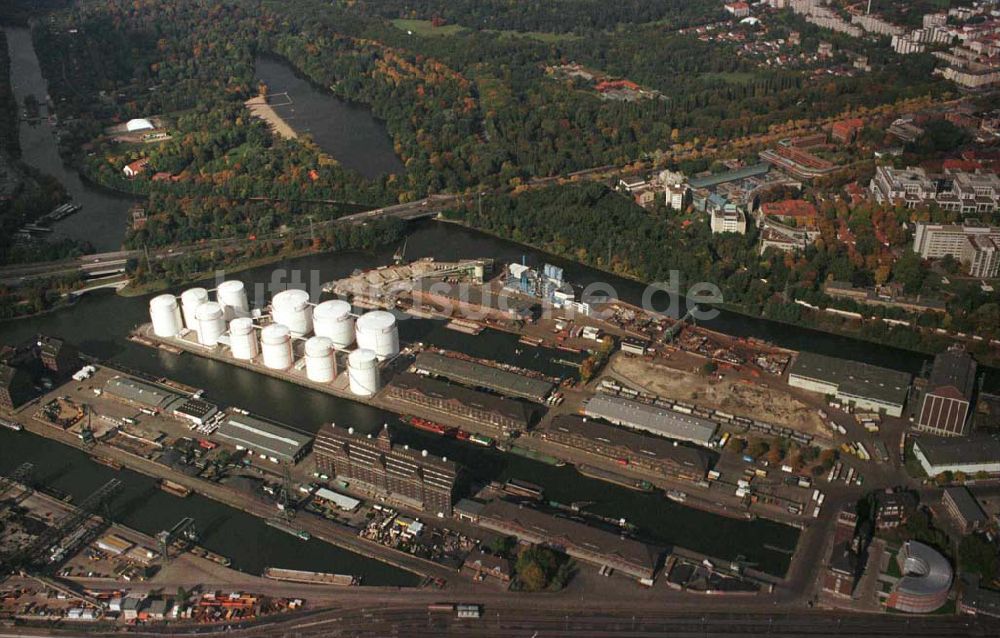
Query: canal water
(347, 132)
(102, 219)
(142, 505)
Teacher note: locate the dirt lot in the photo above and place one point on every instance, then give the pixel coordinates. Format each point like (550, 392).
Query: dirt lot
(733, 393)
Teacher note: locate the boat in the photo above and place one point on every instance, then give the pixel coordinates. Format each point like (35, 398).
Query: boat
(462, 435)
(301, 534)
(530, 341)
(11, 425)
(479, 439)
(639, 485)
(218, 559)
(677, 496)
(113, 464)
(176, 489)
(427, 426)
(311, 578)
(517, 487)
(548, 459)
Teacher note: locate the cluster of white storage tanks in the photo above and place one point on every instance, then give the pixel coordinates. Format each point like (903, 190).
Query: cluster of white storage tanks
(332, 324)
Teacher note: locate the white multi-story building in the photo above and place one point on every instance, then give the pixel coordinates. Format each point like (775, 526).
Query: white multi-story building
(675, 189)
(729, 219)
(875, 24)
(975, 245)
(958, 191)
(905, 45)
(982, 254)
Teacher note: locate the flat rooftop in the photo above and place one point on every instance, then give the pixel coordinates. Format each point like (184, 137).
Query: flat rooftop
(140, 392)
(966, 504)
(652, 419)
(854, 378)
(509, 408)
(264, 437)
(483, 376)
(729, 176)
(949, 450)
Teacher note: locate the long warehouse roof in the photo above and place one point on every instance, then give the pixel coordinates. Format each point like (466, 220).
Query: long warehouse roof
(853, 377)
(659, 421)
(140, 392)
(263, 436)
(472, 399)
(483, 376)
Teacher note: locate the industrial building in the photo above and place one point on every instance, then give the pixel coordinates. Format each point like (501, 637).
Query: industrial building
(498, 415)
(478, 375)
(651, 419)
(970, 455)
(269, 440)
(144, 395)
(15, 386)
(636, 451)
(947, 397)
(57, 356)
(859, 384)
(197, 411)
(575, 539)
(374, 464)
(925, 582)
(964, 508)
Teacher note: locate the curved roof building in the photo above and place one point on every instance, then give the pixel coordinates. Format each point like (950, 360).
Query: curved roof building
(926, 579)
(139, 124)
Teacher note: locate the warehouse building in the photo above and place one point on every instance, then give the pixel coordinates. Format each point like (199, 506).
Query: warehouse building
(926, 579)
(970, 455)
(858, 384)
(636, 451)
(15, 386)
(964, 508)
(197, 411)
(374, 464)
(497, 415)
(947, 398)
(145, 395)
(274, 442)
(478, 375)
(575, 539)
(651, 419)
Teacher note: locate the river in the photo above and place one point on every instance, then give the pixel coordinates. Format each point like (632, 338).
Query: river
(347, 132)
(101, 220)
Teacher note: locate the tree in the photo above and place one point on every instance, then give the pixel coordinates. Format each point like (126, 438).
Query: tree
(979, 556)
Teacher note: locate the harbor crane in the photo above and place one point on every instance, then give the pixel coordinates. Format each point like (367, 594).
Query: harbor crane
(20, 476)
(185, 531)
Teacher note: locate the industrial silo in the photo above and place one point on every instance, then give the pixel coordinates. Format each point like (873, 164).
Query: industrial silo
(211, 323)
(362, 372)
(165, 315)
(243, 339)
(190, 300)
(333, 320)
(276, 346)
(232, 296)
(291, 308)
(377, 331)
(320, 364)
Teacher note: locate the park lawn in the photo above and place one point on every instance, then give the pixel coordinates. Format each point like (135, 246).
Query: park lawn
(424, 28)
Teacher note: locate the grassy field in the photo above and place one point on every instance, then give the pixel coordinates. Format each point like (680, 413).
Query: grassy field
(734, 78)
(425, 29)
(540, 36)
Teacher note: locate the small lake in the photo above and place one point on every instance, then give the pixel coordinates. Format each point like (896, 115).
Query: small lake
(347, 132)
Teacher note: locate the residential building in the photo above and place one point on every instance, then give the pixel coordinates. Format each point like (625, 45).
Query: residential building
(958, 191)
(15, 386)
(846, 131)
(982, 256)
(798, 212)
(964, 508)
(971, 243)
(374, 464)
(945, 409)
(675, 189)
(135, 168)
(484, 566)
(738, 9)
(859, 384)
(797, 161)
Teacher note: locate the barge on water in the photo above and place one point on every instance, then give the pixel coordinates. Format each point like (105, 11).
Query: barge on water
(300, 534)
(218, 559)
(11, 425)
(176, 489)
(311, 578)
(640, 485)
(534, 455)
(106, 462)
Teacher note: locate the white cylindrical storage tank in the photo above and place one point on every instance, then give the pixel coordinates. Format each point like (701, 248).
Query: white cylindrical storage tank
(211, 323)
(243, 339)
(319, 360)
(291, 308)
(232, 296)
(276, 346)
(377, 331)
(362, 372)
(190, 300)
(333, 320)
(165, 315)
